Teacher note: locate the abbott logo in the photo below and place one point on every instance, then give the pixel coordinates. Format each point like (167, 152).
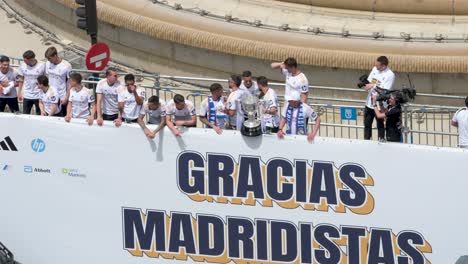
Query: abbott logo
(38, 145)
(7, 145)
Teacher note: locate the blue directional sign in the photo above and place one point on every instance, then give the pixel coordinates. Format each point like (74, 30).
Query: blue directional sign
(348, 113)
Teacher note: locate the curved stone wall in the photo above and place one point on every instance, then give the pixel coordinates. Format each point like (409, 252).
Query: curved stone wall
(437, 7)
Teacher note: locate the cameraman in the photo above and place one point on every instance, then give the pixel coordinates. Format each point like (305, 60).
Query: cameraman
(380, 78)
(392, 115)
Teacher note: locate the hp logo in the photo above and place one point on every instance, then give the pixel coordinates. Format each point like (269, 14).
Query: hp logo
(38, 145)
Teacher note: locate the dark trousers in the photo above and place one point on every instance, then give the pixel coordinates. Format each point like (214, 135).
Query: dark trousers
(11, 102)
(127, 120)
(110, 117)
(271, 129)
(28, 104)
(63, 111)
(369, 116)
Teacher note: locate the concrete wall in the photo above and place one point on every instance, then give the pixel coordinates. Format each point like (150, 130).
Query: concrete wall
(170, 58)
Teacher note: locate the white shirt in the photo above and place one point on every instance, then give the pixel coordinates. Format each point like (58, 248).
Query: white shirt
(155, 116)
(270, 100)
(383, 79)
(131, 109)
(181, 115)
(253, 90)
(50, 98)
(30, 74)
(236, 120)
(307, 111)
(461, 117)
(80, 102)
(109, 93)
(10, 91)
(219, 107)
(58, 76)
(298, 83)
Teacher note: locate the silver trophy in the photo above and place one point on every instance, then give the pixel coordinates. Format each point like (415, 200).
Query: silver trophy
(252, 126)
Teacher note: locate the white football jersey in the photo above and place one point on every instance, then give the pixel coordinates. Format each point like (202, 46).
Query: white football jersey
(80, 101)
(297, 83)
(58, 76)
(30, 75)
(154, 116)
(131, 109)
(50, 98)
(109, 93)
(10, 76)
(181, 115)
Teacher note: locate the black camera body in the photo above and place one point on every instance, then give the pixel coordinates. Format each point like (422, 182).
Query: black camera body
(403, 96)
(363, 81)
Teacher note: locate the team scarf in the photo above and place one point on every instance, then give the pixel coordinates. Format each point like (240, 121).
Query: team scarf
(212, 111)
(300, 120)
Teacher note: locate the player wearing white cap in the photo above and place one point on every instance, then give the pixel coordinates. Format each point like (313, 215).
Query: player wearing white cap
(130, 99)
(79, 101)
(212, 109)
(50, 100)
(295, 117)
(180, 112)
(295, 79)
(156, 111)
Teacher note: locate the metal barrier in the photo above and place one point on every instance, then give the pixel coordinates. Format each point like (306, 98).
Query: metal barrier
(422, 124)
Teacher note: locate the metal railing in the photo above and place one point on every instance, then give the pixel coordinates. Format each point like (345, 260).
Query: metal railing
(421, 123)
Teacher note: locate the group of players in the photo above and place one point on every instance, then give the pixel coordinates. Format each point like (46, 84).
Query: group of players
(54, 90)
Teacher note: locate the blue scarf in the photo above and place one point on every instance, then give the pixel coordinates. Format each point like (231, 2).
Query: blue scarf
(212, 111)
(300, 120)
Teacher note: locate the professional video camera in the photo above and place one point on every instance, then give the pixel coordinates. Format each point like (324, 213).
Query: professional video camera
(404, 95)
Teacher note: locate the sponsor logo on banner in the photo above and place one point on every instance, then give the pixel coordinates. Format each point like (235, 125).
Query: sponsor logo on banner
(73, 173)
(7, 145)
(4, 168)
(38, 145)
(28, 169)
(31, 169)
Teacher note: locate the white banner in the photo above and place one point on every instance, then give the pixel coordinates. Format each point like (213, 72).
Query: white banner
(71, 193)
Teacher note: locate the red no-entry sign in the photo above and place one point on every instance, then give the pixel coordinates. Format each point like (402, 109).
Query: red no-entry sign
(98, 57)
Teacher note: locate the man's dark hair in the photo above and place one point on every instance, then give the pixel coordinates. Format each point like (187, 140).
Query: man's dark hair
(50, 52)
(76, 77)
(43, 80)
(215, 87)
(291, 62)
(466, 101)
(4, 59)
(383, 60)
(237, 79)
(263, 81)
(29, 54)
(153, 99)
(109, 70)
(178, 98)
(129, 77)
(246, 74)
